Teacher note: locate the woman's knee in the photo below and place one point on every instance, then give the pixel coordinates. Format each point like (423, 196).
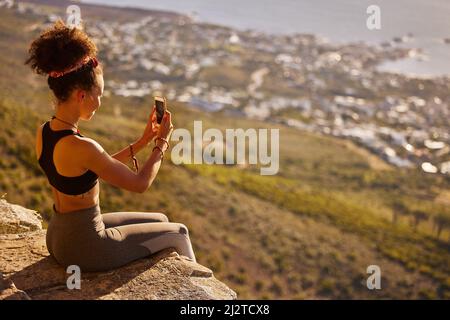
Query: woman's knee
(183, 229)
(162, 217)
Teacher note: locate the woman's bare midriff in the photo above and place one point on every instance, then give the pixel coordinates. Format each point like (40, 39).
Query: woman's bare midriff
(64, 202)
(67, 203)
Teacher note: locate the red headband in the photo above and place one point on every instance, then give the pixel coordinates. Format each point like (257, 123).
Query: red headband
(86, 60)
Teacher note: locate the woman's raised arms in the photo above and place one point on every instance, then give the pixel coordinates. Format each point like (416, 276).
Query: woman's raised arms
(95, 158)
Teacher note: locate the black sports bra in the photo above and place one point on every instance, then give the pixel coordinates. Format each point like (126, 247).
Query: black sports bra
(67, 185)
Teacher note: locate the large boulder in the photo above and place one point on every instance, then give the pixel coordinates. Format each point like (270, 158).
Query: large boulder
(16, 219)
(27, 271)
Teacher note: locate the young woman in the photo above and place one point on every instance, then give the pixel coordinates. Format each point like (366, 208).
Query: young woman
(78, 234)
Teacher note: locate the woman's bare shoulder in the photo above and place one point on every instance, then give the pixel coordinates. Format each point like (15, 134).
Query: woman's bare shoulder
(39, 130)
(39, 141)
(83, 146)
(87, 147)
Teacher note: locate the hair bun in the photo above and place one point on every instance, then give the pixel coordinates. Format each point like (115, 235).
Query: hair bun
(59, 48)
(67, 55)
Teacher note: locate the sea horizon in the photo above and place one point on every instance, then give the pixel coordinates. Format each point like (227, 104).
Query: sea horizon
(410, 23)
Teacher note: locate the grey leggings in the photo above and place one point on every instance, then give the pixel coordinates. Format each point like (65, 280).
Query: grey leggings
(98, 242)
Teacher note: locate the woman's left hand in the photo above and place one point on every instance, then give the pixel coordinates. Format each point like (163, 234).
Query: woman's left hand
(151, 130)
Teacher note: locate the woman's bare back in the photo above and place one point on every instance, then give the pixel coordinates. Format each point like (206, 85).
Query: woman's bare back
(65, 163)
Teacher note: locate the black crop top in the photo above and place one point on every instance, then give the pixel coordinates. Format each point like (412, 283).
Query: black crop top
(67, 185)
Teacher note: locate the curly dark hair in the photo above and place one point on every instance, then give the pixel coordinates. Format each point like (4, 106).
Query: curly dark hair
(59, 48)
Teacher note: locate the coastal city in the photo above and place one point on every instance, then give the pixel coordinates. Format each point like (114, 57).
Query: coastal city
(299, 80)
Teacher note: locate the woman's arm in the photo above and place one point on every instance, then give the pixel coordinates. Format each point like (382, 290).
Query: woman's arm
(93, 157)
(149, 134)
(124, 155)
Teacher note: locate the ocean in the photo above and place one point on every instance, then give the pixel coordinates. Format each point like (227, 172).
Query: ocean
(426, 21)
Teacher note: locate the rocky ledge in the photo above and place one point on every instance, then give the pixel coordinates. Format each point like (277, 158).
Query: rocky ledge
(28, 272)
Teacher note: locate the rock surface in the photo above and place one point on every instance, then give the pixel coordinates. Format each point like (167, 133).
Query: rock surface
(16, 219)
(28, 272)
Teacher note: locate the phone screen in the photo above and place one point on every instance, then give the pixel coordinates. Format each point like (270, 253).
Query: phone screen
(160, 108)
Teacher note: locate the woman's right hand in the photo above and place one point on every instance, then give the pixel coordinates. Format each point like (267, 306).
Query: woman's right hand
(165, 129)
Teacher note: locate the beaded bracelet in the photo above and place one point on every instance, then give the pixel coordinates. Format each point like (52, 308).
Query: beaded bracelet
(165, 140)
(160, 150)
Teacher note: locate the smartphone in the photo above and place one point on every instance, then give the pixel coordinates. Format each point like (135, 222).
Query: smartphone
(160, 103)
